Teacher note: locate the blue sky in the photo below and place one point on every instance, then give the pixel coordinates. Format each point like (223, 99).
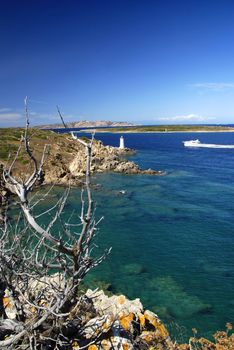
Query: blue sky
(143, 61)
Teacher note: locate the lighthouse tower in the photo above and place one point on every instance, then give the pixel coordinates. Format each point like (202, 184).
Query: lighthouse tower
(121, 142)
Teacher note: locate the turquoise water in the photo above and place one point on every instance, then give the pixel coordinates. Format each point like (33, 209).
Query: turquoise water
(172, 237)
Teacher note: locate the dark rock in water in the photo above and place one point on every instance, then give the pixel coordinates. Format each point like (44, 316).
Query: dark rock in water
(217, 270)
(206, 309)
(134, 269)
(179, 303)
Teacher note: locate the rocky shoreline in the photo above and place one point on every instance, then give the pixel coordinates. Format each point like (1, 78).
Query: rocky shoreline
(107, 158)
(61, 171)
(65, 159)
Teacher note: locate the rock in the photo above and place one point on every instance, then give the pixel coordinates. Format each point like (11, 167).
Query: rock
(46, 287)
(123, 324)
(97, 326)
(126, 321)
(104, 158)
(91, 347)
(127, 168)
(154, 320)
(116, 343)
(9, 305)
(154, 332)
(97, 322)
(118, 306)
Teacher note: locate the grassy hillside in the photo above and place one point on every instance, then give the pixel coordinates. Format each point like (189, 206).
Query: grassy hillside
(10, 140)
(61, 149)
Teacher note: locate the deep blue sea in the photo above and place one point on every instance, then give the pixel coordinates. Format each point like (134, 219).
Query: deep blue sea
(172, 236)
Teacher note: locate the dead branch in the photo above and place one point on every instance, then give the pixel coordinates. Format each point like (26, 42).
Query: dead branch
(31, 252)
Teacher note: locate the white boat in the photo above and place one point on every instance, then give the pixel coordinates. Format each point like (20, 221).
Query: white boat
(197, 143)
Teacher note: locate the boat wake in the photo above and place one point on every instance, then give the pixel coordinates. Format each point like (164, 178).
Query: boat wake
(197, 143)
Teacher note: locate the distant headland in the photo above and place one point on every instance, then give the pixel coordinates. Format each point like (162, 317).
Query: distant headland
(86, 124)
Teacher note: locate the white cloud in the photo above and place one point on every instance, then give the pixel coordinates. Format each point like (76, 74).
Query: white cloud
(10, 117)
(183, 118)
(43, 118)
(213, 86)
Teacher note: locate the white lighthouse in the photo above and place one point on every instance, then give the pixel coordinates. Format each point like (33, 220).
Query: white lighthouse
(121, 142)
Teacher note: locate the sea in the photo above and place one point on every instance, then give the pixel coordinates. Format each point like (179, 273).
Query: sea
(172, 236)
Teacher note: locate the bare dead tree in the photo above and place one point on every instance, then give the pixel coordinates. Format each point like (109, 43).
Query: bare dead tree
(61, 117)
(41, 266)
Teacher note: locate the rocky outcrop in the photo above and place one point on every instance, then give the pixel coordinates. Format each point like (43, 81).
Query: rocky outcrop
(104, 158)
(128, 167)
(98, 322)
(124, 324)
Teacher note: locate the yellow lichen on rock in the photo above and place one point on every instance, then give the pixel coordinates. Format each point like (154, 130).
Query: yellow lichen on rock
(126, 321)
(148, 336)
(9, 305)
(33, 309)
(93, 347)
(156, 323)
(105, 344)
(121, 299)
(75, 346)
(119, 320)
(6, 302)
(141, 318)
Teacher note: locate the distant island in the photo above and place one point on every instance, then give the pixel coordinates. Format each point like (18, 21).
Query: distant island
(86, 124)
(167, 128)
